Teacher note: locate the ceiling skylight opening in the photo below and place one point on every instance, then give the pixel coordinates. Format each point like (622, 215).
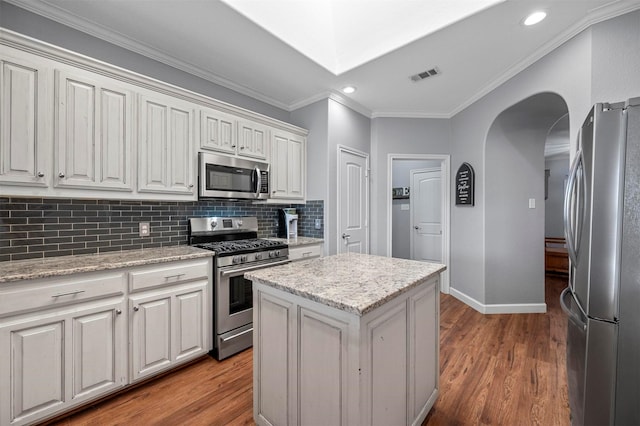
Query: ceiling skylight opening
(534, 18)
(349, 89)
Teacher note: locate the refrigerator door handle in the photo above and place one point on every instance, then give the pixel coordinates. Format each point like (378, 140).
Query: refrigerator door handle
(568, 201)
(573, 317)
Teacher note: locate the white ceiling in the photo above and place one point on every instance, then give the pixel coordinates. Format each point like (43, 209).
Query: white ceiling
(212, 40)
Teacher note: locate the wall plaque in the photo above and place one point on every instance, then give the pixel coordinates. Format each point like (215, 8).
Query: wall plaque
(465, 178)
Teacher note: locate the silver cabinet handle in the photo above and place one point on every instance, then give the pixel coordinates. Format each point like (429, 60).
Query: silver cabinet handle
(416, 227)
(40, 174)
(135, 308)
(61, 175)
(118, 311)
(190, 185)
(176, 276)
(71, 293)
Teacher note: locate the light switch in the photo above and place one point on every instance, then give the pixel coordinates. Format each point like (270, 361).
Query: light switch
(404, 206)
(318, 224)
(532, 203)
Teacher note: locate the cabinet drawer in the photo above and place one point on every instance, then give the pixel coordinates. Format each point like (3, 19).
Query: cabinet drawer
(47, 293)
(168, 273)
(305, 252)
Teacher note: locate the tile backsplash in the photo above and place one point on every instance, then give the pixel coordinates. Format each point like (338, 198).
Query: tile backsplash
(45, 227)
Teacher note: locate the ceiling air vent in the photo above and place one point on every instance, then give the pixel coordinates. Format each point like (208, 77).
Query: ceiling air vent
(425, 74)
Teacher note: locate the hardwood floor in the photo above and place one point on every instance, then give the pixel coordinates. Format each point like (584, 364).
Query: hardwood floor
(495, 370)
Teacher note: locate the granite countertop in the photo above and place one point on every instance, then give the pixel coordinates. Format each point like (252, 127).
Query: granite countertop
(300, 241)
(352, 282)
(66, 265)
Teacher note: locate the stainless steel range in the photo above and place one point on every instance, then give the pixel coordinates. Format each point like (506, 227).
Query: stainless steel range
(238, 250)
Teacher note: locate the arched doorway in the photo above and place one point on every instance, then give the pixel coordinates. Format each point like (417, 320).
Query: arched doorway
(514, 208)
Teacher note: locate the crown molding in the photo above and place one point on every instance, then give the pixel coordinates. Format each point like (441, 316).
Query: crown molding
(103, 33)
(595, 16)
(54, 13)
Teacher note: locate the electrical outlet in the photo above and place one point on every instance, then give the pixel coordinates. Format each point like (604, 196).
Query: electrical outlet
(318, 224)
(144, 229)
(532, 203)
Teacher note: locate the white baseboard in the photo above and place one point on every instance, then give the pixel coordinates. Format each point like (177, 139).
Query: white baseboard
(515, 308)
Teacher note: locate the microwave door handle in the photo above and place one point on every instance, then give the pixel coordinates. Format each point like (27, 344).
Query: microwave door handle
(258, 182)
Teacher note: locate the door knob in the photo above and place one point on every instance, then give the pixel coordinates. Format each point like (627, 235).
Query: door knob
(416, 227)
(346, 236)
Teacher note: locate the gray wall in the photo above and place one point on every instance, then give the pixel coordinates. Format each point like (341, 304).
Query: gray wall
(330, 124)
(616, 59)
(514, 161)
(399, 136)
(565, 71)
(558, 167)
(347, 128)
(38, 27)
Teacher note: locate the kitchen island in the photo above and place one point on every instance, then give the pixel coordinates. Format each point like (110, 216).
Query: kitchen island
(346, 339)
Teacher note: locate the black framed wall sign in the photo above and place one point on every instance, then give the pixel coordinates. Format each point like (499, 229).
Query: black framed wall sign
(465, 179)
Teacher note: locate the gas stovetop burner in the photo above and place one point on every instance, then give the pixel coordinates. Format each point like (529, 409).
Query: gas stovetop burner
(250, 245)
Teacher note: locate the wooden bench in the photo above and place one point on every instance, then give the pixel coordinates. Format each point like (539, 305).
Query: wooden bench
(556, 256)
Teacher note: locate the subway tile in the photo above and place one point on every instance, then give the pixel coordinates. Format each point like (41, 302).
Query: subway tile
(25, 256)
(85, 251)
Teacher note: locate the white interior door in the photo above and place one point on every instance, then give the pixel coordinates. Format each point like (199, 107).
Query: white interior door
(426, 215)
(353, 201)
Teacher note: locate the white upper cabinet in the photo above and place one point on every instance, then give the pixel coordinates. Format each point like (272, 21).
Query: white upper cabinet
(218, 131)
(166, 160)
(288, 166)
(25, 126)
(253, 139)
(93, 132)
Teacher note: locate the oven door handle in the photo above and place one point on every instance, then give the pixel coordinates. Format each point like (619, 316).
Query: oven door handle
(253, 268)
(242, 333)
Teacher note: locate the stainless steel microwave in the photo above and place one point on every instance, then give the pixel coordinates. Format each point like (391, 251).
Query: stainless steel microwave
(232, 178)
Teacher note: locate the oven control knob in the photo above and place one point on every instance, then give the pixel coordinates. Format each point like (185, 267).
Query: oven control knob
(244, 257)
(239, 223)
(272, 254)
(277, 253)
(258, 256)
(236, 259)
(214, 223)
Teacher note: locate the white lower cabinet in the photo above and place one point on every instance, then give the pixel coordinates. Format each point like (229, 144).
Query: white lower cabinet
(65, 341)
(304, 252)
(167, 327)
(317, 364)
(56, 359)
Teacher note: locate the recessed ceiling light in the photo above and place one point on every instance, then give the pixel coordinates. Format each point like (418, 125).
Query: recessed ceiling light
(534, 18)
(348, 89)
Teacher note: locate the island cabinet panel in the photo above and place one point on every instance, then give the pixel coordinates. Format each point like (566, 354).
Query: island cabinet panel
(386, 350)
(317, 364)
(275, 361)
(323, 365)
(423, 360)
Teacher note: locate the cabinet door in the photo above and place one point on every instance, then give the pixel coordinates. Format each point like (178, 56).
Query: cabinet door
(252, 139)
(167, 327)
(93, 140)
(296, 167)
(60, 359)
(150, 334)
(166, 140)
(190, 326)
(217, 131)
(25, 130)
(288, 166)
(98, 350)
(33, 356)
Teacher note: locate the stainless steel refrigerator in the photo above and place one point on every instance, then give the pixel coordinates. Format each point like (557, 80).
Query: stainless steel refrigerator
(602, 229)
